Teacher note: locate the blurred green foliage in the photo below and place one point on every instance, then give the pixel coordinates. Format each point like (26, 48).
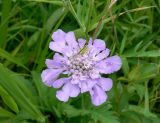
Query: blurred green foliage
(130, 29)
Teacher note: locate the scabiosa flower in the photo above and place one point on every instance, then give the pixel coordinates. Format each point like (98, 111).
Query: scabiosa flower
(83, 70)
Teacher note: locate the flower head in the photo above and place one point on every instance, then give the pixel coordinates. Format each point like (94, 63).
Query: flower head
(83, 70)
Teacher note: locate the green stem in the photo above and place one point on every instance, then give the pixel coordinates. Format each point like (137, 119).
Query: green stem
(82, 102)
(82, 105)
(146, 97)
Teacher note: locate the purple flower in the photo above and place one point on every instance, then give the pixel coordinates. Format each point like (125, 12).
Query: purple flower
(83, 70)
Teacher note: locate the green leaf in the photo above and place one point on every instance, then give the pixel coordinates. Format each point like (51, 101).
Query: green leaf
(143, 72)
(103, 116)
(96, 115)
(56, 2)
(16, 87)
(6, 6)
(9, 57)
(156, 120)
(134, 74)
(70, 111)
(54, 18)
(142, 110)
(130, 117)
(139, 88)
(33, 39)
(6, 114)
(153, 53)
(133, 53)
(41, 89)
(8, 100)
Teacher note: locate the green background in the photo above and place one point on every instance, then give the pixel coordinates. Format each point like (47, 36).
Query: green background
(131, 29)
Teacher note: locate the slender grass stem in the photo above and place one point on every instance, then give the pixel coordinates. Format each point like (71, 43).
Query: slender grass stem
(107, 8)
(146, 97)
(105, 11)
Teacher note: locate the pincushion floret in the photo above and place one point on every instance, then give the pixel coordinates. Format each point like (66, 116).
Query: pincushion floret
(83, 70)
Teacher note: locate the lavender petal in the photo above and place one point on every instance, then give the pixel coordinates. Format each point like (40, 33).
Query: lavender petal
(105, 83)
(50, 75)
(98, 96)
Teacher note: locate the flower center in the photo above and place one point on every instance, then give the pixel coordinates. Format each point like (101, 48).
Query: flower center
(80, 64)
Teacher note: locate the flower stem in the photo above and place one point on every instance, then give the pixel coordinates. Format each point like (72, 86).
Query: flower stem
(82, 102)
(82, 106)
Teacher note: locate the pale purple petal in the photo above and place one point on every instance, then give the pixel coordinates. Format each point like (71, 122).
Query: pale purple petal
(74, 90)
(92, 50)
(90, 43)
(112, 64)
(67, 91)
(74, 81)
(83, 86)
(102, 55)
(105, 83)
(99, 44)
(69, 51)
(98, 95)
(86, 85)
(109, 65)
(53, 64)
(71, 40)
(50, 75)
(91, 83)
(60, 82)
(81, 42)
(94, 74)
(57, 46)
(62, 95)
(59, 58)
(101, 66)
(59, 36)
